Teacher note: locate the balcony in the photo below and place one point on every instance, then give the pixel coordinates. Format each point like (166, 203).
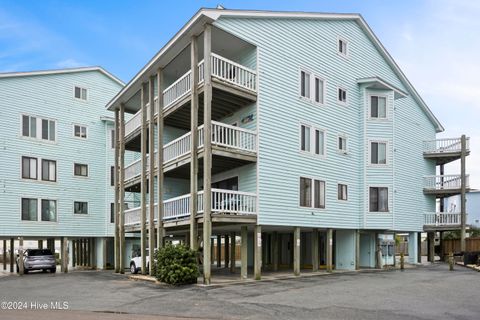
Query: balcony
(225, 203)
(226, 74)
(227, 142)
(442, 220)
(445, 185)
(444, 150)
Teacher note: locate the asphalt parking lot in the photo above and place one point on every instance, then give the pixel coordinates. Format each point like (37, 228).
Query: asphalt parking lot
(430, 292)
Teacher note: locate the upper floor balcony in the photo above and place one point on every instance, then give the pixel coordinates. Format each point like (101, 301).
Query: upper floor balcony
(445, 150)
(226, 204)
(441, 221)
(444, 185)
(231, 146)
(234, 86)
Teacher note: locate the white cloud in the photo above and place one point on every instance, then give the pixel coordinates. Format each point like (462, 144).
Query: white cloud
(69, 63)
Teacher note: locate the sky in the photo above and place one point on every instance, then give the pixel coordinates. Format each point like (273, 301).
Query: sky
(435, 42)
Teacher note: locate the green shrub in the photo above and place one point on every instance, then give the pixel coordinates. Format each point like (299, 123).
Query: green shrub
(176, 265)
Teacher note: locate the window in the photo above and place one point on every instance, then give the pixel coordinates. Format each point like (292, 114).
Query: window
(312, 140)
(310, 83)
(80, 131)
(112, 139)
(312, 189)
(112, 212)
(342, 192)
(48, 129)
(29, 168)
(378, 199)
(80, 93)
(342, 144)
(29, 126)
(112, 176)
(29, 209)
(80, 170)
(342, 95)
(378, 151)
(378, 107)
(80, 207)
(49, 210)
(49, 170)
(342, 47)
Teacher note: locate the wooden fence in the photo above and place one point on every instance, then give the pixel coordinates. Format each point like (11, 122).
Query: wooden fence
(472, 244)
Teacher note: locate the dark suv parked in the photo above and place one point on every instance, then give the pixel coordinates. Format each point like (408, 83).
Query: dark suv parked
(38, 259)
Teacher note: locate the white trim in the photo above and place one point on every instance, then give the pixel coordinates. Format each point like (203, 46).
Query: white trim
(313, 76)
(342, 103)
(348, 188)
(81, 176)
(345, 137)
(389, 194)
(81, 214)
(81, 88)
(345, 55)
(38, 132)
(312, 146)
(39, 210)
(312, 179)
(387, 107)
(39, 168)
(80, 125)
(387, 153)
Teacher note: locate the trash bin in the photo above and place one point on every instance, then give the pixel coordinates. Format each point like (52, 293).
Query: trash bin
(470, 258)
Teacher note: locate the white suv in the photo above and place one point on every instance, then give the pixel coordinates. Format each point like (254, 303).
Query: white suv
(136, 263)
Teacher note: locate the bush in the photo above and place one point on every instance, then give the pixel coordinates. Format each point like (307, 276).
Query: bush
(176, 265)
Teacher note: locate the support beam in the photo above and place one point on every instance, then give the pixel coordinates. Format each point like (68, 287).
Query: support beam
(40, 244)
(212, 248)
(463, 195)
(143, 183)
(296, 251)
(116, 205)
(219, 251)
(121, 176)
(244, 253)
(442, 254)
(233, 247)
(21, 269)
(431, 245)
(257, 251)
(329, 245)
(12, 252)
(226, 250)
(315, 250)
(207, 147)
(193, 143)
(151, 172)
(357, 249)
(94, 253)
(65, 250)
(419, 245)
(4, 256)
(160, 229)
(275, 250)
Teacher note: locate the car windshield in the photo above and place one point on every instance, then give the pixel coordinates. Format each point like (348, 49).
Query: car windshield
(40, 252)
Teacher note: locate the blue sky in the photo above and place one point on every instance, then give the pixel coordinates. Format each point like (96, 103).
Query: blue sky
(435, 42)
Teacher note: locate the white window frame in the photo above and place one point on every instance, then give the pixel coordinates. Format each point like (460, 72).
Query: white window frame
(38, 174)
(81, 88)
(81, 214)
(313, 77)
(312, 206)
(348, 188)
(81, 126)
(312, 140)
(345, 54)
(38, 128)
(387, 152)
(39, 210)
(389, 195)
(41, 170)
(80, 176)
(345, 137)
(343, 103)
(369, 109)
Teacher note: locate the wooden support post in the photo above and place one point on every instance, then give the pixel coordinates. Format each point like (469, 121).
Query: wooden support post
(431, 244)
(40, 244)
(143, 181)
(207, 147)
(121, 195)
(257, 251)
(160, 229)
(94, 253)
(80, 252)
(85, 252)
(296, 251)
(116, 205)
(12, 254)
(4, 256)
(357, 249)
(64, 254)
(463, 195)
(219, 251)
(233, 246)
(419, 245)
(212, 246)
(151, 173)
(244, 253)
(442, 254)
(226, 251)
(193, 143)
(329, 245)
(450, 261)
(402, 261)
(275, 250)
(315, 250)
(21, 269)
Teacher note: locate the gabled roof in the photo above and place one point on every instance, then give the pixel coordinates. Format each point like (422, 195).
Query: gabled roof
(210, 15)
(61, 71)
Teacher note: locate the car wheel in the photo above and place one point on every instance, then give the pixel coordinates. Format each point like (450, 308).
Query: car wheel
(25, 271)
(44, 270)
(133, 268)
(53, 270)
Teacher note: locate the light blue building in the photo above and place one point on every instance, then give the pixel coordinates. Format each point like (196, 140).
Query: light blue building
(57, 157)
(473, 207)
(308, 139)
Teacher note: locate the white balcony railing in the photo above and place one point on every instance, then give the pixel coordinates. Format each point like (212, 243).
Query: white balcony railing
(444, 145)
(177, 90)
(229, 136)
(444, 182)
(442, 219)
(233, 72)
(136, 121)
(134, 169)
(177, 148)
(223, 202)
